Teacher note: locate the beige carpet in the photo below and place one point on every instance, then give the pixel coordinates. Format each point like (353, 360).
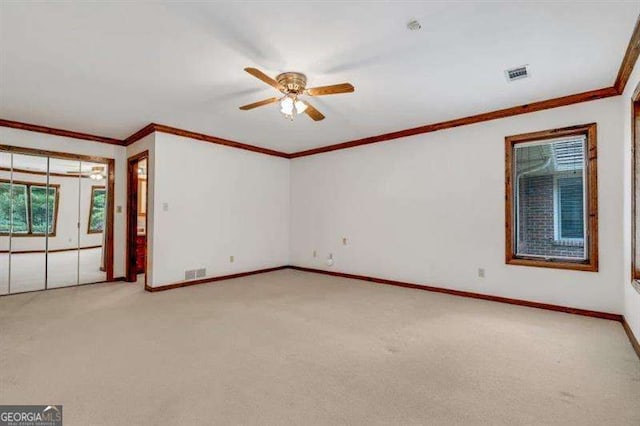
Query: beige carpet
(290, 347)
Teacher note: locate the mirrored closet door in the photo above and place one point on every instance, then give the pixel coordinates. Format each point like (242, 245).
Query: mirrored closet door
(63, 247)
(92, 209)
(53, 221)
(5, 219)
(25, 183)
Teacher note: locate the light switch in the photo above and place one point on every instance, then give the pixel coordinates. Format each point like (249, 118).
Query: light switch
(118, 209)
(165, 207)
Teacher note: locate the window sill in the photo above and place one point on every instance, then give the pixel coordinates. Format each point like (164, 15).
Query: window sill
(588, 266)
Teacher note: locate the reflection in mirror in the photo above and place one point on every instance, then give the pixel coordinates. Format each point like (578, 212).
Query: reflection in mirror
(52, 222)
(142, 197)
(92, 231)
(141, 209)
(30, 211)
(62, 257)
(5, 219)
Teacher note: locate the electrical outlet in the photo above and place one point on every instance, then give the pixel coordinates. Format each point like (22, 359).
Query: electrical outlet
(190, 275)
(330, 260)
(232, 259)
(118, 209)
(480, 272)
(315, 253)
(201, 273)
(165, 207)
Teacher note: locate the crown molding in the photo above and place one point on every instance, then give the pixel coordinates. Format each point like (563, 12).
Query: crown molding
(153, 127)
(144, 132)
(629, 60)
(58, 132)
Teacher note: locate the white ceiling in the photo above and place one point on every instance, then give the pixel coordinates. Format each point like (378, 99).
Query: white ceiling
(111, 68)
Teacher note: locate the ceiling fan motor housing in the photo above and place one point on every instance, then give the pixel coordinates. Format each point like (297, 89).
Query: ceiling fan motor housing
(293, 82)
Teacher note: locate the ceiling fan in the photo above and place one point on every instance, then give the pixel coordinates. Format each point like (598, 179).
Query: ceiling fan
(293, 85)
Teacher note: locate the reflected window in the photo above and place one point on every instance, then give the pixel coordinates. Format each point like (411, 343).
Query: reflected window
(26, 208)
(97, 209)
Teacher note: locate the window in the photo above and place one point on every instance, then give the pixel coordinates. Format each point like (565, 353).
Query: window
(551, 193)
(96, 209)
(33, 206)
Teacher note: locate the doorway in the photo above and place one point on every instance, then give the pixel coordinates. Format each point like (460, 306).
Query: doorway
(635, 187)
(137, 204)
(56, 219)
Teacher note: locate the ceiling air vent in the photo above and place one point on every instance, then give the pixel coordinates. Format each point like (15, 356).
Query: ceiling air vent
(517, 73)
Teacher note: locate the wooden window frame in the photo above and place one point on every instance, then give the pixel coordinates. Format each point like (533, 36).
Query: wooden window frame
(93, 189)
(56, 205)
(591, 262)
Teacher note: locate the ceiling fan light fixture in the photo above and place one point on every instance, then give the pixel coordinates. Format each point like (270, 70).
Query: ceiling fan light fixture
(286, 105)
(290, 106)
(300, 106)
(96, 173)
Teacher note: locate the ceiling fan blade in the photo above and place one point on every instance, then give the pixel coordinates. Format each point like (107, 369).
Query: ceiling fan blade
(334, 89)
(312, 112)
(258, 104)
(262, 76)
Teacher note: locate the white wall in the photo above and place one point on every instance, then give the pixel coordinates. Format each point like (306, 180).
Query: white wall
(67, 218)
(430, 209)
(221, 202)
(26, 139)
(631, 295)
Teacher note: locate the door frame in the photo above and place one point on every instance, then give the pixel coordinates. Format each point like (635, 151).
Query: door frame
(110, 163)
(131, 274)
(635, 170)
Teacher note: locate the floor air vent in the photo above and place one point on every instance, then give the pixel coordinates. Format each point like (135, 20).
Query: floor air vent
(195, 273)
